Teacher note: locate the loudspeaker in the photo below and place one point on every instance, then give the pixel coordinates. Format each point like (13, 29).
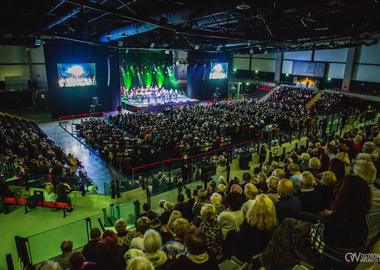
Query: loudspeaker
(95, 101)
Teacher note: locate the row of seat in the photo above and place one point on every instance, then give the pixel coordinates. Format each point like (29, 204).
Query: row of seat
(20, 201)
(265, 88)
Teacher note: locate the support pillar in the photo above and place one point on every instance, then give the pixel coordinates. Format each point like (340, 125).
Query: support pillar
(348, 69)
(277, 72)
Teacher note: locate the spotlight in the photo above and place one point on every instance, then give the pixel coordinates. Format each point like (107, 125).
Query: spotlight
(167, 52)
(152, 45)
(196, 47)
(287, 74)
(329, 79)
(234, 69)
(247, 83)
(177, 63)
(256, 71)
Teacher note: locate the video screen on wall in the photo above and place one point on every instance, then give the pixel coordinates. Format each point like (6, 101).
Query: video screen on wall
(76, 74)
(219, 71)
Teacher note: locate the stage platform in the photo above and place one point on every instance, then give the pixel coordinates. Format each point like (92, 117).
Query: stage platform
(137, 104)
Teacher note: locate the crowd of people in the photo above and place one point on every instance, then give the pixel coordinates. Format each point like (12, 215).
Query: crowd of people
(192, 129)
(26, 152)
(292, 96)
(316, 205)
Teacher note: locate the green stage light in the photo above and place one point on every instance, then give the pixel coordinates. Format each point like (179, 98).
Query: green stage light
(234, 69)
(247, 83)
(329, 79)
(256, 71)
(177, 63)
(287, 74)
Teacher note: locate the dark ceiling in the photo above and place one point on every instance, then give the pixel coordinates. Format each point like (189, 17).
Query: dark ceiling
(266, 25)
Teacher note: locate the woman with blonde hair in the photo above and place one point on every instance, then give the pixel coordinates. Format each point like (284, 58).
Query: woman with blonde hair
(343, 156)
(175, 214)
(250, 192)
(261, 183)
(326, 188)
(255, 232)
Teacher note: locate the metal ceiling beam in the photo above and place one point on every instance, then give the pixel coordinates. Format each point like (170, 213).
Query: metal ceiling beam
(173, 28)
(118, 48)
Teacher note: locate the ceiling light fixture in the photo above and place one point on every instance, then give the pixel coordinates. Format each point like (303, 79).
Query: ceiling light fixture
(243, 6)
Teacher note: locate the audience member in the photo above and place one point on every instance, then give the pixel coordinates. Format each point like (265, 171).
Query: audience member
(142, 225)
(287, 205)
(310, 199)
(63, 259)
(197, 257)
(272, 188)
(254, 232)
(251, 193)
(367, 171)
(233, 216)
(212, 229)
(89, 250)
(124, 236)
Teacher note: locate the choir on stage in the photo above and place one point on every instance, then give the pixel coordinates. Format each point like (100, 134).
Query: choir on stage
(150, 94)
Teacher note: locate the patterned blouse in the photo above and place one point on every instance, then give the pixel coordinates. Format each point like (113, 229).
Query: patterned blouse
(214, 236)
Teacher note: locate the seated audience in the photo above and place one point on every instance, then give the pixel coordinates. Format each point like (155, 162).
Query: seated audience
(212, 229)
(367, 171)
(109, 256)
(197, 257)
(142, 225)
(89, 250)
(183, 207)
(250, 192)
(63, 259)
(168, 209)
(272, 188)
(325, 244)
(175, 247)
(294, 170)
(148, 212)
(76, 261)
(152, 248)
(49, 195)
(255, 232)
(124, 237)
(140, 263)
(287, 205)
(217, 200)
(325, 188)
(233, 216)
(310, 199)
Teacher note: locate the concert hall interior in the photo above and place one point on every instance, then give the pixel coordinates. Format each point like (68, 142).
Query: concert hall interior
(181, 134)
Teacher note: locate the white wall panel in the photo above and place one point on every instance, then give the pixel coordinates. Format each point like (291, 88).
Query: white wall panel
(335, 71)
(240, 63)
(336, 55)
(13, 54)
(368, 55)
(14, 70)
(287, 67)
(263, 65)
(367, 73)
(304, 55)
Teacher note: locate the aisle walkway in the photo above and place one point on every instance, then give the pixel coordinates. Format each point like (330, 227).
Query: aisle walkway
(96, 168)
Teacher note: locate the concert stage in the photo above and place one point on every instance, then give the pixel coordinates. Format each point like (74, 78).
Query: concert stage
(181, 100)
